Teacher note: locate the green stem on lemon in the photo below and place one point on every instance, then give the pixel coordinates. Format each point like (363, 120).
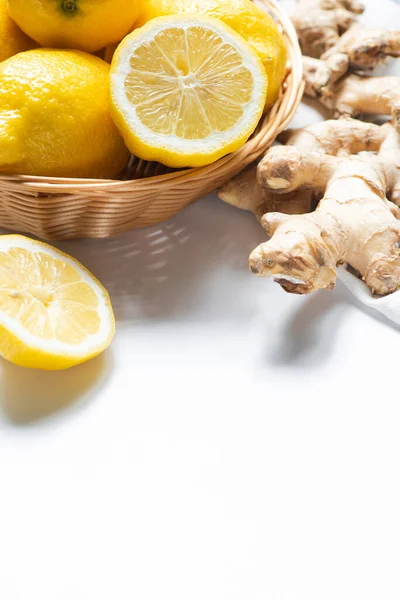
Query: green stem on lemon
(69, 6)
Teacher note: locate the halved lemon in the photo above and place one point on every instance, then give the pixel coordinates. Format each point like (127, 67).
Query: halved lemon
(186, 90)
(53, 313)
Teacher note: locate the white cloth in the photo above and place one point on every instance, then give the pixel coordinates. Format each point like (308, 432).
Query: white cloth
(388, 305)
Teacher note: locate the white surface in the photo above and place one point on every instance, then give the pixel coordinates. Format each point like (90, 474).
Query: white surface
(236, 443)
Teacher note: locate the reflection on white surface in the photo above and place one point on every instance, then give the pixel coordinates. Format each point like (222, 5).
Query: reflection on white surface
(27, 396)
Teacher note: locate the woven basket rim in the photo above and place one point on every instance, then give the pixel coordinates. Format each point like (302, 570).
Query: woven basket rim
(273, 123)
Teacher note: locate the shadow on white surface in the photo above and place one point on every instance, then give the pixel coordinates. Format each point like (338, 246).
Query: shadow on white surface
(163, 272)
(310, 333)
(29, 395)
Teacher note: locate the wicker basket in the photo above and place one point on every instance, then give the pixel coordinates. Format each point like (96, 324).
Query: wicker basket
(58, 208)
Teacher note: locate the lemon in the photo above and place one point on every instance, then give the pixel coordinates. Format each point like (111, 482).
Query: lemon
(53, 313)
(12, 39)
(55, 118)
(80, 24)
(186, 90)
(253, 23)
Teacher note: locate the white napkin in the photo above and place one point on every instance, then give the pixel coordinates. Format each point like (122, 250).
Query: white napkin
(388, 305)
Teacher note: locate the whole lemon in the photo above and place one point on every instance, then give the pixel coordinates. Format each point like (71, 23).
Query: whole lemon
(54, 116)
(254, 24)
(12, 39)
(80, 24)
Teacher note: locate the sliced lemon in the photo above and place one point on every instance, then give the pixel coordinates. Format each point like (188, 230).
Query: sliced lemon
(53, 313)
(186, 90)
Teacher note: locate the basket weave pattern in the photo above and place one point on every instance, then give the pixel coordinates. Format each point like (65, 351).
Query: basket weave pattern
(56, 208)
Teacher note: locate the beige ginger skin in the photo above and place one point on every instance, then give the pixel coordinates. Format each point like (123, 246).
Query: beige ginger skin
(320, 23)
(332, 80)
(366, 47)
(354, 223)
(245, 192)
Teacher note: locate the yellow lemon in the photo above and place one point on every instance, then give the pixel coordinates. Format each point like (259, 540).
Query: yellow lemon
(186, 90)
(55, 118)
(253, 23)
(81, 24)
(12, 39)
(53, 313)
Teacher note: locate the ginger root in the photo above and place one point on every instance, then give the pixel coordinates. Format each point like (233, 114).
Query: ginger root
(320, 23)
(330, 80)
(354, 223)
(366, 48)
(245, 192)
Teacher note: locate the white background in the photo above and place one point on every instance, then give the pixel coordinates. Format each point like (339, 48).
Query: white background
(235, 443)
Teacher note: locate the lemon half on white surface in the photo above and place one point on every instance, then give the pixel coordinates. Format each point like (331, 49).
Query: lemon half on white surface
(53, 313)
(186, 90)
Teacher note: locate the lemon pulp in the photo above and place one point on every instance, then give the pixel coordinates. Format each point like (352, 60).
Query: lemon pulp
(248, 19)
(53, 312)
(186, 90)
(198, 83)
(47, 296)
